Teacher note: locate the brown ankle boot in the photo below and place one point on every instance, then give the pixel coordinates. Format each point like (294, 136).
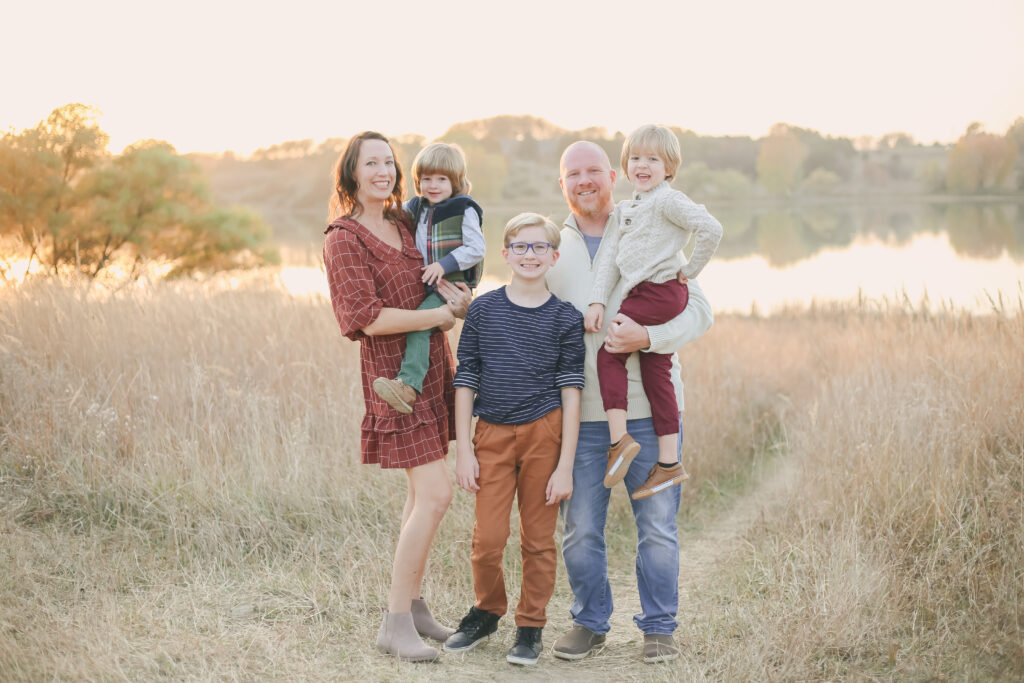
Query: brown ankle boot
(397, 393)
(426, 624)
(397, 636)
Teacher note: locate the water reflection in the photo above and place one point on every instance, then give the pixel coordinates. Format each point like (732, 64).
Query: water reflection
(952, 252)
(785, 236)
(956, 253)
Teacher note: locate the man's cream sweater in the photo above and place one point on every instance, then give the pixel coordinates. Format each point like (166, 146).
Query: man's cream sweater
(572, 278)
(646, 240)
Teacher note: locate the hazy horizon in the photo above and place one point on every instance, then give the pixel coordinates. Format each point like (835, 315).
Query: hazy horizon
(209, 78)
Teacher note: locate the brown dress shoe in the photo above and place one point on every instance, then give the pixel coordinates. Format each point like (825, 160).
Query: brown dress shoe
(661, 478)
(577, 643)
(659, 647)
(620, 457)
(397, 393)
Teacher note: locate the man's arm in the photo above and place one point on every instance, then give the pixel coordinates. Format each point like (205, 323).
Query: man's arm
(626, 336)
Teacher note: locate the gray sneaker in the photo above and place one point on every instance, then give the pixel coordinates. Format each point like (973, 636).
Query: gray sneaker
(659, 647)
(577, 643)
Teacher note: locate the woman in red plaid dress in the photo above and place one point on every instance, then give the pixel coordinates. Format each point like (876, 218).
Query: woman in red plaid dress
(374, 270)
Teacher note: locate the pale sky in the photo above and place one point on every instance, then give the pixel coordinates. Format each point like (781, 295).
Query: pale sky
(213, 76)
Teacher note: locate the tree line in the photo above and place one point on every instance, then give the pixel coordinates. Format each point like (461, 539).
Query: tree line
(513, 159)
(68, 205)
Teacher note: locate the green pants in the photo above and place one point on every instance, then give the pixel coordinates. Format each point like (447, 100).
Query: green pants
(416, 358)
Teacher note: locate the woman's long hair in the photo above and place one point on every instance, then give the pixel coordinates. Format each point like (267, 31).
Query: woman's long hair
(344, 200)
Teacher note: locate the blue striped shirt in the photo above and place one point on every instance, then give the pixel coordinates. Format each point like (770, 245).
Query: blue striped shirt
(518, 359)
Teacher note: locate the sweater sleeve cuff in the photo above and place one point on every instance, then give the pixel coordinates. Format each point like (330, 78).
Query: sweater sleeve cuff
(449, 264)
(660, 338)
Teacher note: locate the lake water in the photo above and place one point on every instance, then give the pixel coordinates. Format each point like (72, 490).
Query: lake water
(964, 255)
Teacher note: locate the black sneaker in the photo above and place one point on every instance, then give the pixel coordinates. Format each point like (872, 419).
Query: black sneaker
(474, 627)
(528, 646)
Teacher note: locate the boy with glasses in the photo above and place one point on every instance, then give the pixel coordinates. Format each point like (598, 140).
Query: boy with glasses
(520, 372)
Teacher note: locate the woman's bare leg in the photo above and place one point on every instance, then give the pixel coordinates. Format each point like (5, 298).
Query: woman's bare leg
(410, 501)
(430, 493)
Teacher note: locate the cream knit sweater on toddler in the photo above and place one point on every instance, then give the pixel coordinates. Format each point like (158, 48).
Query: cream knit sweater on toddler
(646, 240)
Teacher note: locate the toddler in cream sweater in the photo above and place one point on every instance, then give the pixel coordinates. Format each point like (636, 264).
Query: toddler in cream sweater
(646, 239)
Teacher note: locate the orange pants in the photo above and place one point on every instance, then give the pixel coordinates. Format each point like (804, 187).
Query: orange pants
(516, 460)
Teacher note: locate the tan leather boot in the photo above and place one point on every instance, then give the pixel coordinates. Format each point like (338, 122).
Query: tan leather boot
(397, 636)
(620, 457)
(426, 624)
(397, 393)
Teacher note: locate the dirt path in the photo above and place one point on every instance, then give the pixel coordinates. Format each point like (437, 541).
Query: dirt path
(701, 551)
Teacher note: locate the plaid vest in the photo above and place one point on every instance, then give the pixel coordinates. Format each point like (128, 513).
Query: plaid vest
(444, 231)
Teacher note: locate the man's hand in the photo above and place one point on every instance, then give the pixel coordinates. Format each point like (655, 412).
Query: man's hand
(594, 318)
(432, 273)
(467, 469)
(458, 296)
(626, 336)
(559, 486)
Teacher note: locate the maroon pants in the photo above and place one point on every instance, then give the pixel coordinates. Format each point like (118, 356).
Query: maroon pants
(647, 304)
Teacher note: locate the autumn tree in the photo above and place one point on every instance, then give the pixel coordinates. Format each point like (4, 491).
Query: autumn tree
(980, 161)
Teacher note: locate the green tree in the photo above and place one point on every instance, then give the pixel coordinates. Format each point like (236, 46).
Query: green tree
(780, 160)
(76, 209)
(821, 182)
(38, 170)
(895, 140)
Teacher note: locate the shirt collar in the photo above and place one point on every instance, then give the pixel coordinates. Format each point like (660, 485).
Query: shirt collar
(570, 222)
(654, 191)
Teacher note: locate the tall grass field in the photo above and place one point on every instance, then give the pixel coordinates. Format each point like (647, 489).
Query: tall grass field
(182, 498)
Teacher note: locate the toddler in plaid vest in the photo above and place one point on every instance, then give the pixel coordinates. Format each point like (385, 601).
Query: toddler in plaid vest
(449, 234)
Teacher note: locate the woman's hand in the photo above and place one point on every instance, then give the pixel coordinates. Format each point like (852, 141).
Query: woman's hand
(458, 296)
(447, 320)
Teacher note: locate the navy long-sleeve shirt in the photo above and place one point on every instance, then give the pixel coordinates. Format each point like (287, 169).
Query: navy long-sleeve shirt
(519, 359)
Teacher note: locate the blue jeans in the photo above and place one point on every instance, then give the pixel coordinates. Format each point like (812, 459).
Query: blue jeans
(583, 545)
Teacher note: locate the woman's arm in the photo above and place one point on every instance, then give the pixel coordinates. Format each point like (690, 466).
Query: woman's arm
(399, 320)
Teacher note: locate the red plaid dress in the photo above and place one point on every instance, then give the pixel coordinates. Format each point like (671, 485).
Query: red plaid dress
(366, 274)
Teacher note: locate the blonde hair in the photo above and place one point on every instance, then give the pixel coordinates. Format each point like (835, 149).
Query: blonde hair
(531, 220)
(445, 159)
(658, 138)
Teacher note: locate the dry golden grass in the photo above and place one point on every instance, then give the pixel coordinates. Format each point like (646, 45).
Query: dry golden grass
(182, 498)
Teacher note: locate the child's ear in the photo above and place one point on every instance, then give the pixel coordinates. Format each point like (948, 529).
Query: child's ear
(554, 256)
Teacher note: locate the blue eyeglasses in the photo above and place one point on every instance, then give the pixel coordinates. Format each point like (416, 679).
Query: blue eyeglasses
(520, 248)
